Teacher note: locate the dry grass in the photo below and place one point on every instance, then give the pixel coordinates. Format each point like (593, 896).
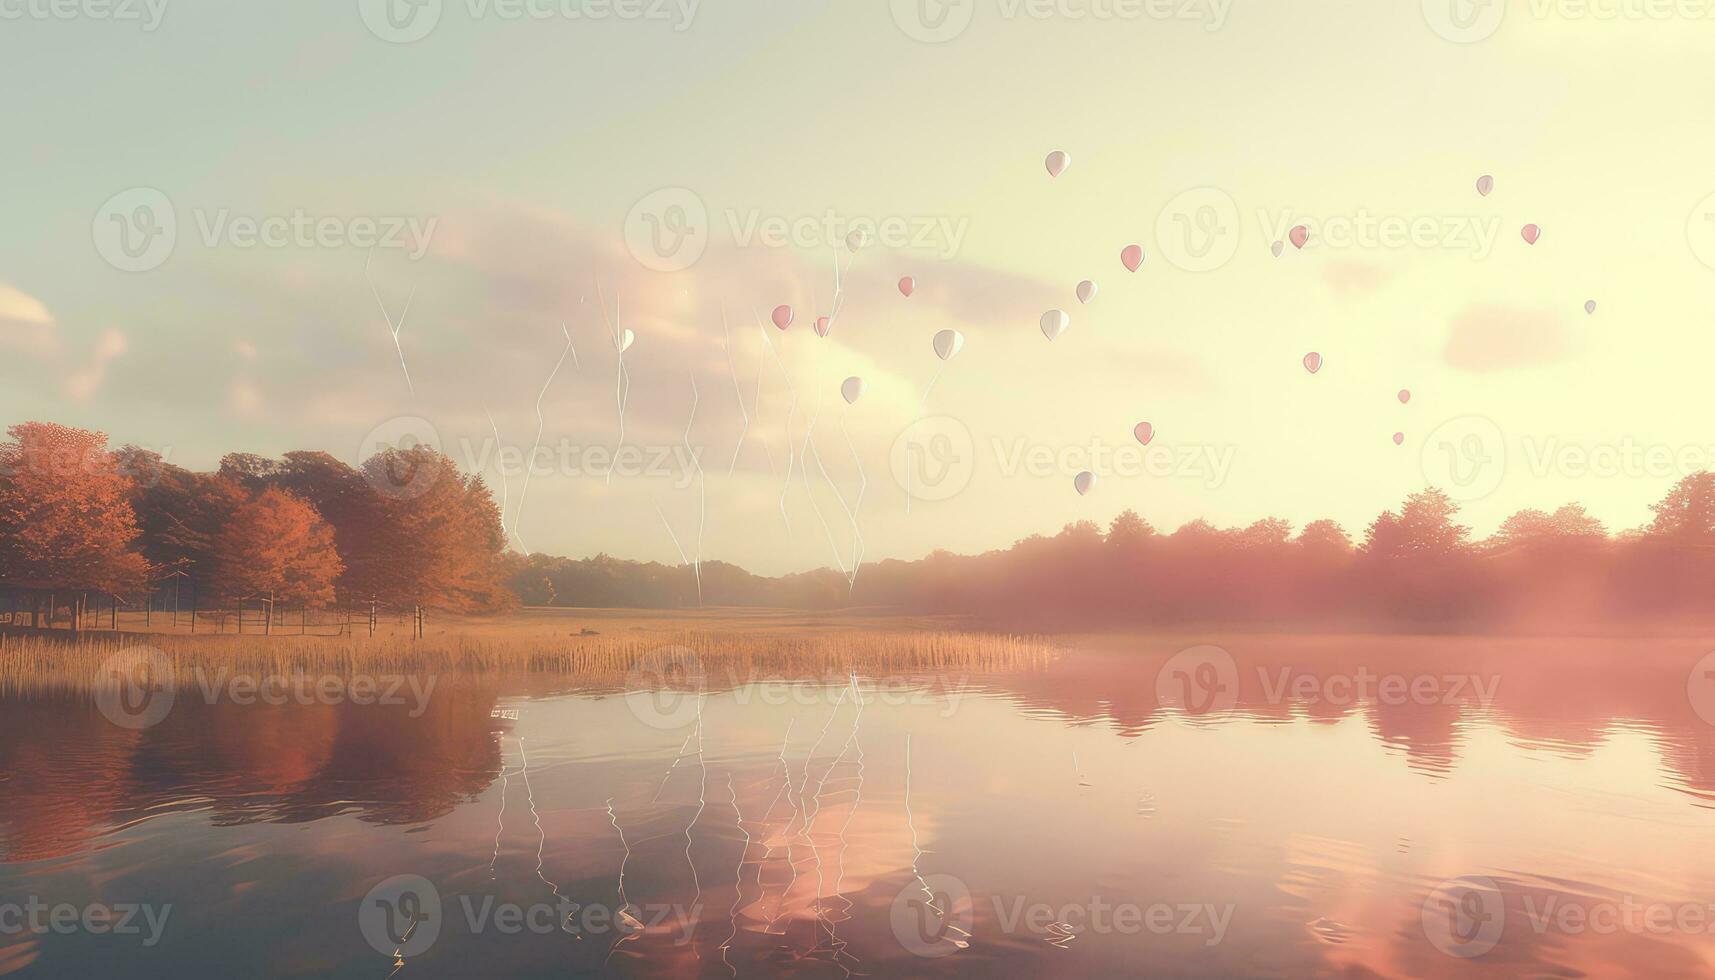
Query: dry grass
(726, 643)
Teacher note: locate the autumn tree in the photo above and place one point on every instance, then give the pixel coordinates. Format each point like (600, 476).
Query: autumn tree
(65, 515)
(440, 542)
(276, 547)
(180, 513)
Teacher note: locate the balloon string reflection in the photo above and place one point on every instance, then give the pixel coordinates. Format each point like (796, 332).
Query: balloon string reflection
(917, 854)
(737, 877)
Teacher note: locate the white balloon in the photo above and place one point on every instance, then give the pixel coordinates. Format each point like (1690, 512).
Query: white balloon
(948, 343)
(625, 340)
(853, 389)
(855, 240)
(1054, 323)
(1057, 162)
(1083, 482)
(1086, 291)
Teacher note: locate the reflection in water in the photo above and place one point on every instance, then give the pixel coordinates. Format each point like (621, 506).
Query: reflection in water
(1056, 821)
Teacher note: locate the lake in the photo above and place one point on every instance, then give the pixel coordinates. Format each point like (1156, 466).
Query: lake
(1184, 806)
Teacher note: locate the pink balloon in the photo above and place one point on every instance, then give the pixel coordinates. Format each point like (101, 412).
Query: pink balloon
(1399, 438)
(822, 326)
(1132, 256)
(907, 286)
(1313, 362)
(1144, 432)
(1485, 184)
(1057, 163)
(783, 316)
(1531, 233)
(1404, 396)
(1299, 235)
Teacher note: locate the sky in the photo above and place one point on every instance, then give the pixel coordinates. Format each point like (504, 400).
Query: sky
(339, 224)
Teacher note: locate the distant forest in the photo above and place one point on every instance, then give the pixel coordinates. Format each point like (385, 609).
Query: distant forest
(1415, 567)
(408, 530)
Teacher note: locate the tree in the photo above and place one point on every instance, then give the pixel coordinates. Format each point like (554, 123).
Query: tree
(276, 546)
(1324, 538)
(1687, 513)
(65, 517)
(1129, 530)
(179, 513)
(440, 543)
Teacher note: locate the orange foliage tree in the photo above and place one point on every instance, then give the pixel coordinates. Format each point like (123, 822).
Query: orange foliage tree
(65, 514)
(276, 546)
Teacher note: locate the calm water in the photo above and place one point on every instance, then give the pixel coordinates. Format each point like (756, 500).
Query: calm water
(1301, 806)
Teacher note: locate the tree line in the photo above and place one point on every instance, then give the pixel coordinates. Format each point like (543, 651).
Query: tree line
(1414, 567)
(404, 531)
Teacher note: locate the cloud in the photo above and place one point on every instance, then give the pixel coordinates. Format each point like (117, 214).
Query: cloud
(1486, 338)
(25, 322)
(83, 384)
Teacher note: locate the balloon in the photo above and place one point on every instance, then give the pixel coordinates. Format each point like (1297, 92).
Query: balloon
(1399, 438)
(1589, 306)
(853, 389)
(1086, 291)
(1531, 233)
(625, 340)
(1132, 256)
(1057, 163)
(1299, 235)
(1054, 323)
(1144, 432)
(1404, 396)
(947, 344)
(783, 316)
(1313, 362)
(822, 326)
(1277, 248)
(1485, 184)
(855, 240)
(907, 286)
(1083, 482)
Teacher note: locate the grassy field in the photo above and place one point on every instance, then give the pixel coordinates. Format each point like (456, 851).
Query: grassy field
(581, 642)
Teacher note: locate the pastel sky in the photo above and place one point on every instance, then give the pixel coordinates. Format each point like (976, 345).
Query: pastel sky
(542, 168)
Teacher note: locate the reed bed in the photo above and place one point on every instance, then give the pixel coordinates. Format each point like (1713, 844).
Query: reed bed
(662, 652)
